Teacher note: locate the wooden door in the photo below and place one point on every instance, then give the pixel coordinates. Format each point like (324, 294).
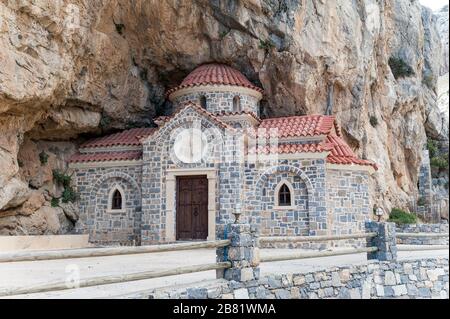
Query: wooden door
(192, 208)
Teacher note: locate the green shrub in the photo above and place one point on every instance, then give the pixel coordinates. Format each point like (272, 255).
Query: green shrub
(43, 158)
(266, 44)
(55, 202)
(62, 178)
(223, 34)
(373, 121)
(440, 162)
(68, 195)
(421, 201)
(432, 147)
(400, 68)
(400, 217)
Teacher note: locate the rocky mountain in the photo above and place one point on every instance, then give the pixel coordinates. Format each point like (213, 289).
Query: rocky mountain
(74, 69)
(442, 25)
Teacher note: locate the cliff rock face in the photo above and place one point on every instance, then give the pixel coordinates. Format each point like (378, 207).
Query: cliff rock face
(71, 68)
(442, 25)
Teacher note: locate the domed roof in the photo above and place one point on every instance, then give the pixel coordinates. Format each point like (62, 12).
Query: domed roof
(215, 74)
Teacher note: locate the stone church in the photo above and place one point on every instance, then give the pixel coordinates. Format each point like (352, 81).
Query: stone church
(215, 157)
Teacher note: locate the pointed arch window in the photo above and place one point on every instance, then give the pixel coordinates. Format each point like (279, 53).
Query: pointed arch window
(237, 104)
(116, 201)
(284, 195)
(203, 101)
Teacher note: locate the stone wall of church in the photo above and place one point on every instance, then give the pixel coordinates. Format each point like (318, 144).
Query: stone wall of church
(348, 204)
(307, 177)
(277, 221)
(219, 101)
(158, 159)
(104, 226)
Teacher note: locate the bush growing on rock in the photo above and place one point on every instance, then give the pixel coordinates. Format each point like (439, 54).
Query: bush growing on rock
(400, 217)
(400, 68)
(43, 158)
(69, 194)
(373, 121)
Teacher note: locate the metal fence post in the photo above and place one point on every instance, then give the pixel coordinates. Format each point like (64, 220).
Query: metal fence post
(385, 241)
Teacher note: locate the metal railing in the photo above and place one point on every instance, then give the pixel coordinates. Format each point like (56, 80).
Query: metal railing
(421, 247)
(421, 235)
(113, 279)
(114, 251)
(407, 247)
(296, 239)
(103, 252)
(305, 255)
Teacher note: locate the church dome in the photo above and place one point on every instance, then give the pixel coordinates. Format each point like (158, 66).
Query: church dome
(215, 74)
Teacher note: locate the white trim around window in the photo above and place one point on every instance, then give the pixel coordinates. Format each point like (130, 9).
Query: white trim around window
(110, 199)
(277, 196)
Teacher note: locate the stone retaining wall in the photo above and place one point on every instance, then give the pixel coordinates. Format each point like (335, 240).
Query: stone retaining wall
(415, 279)
(423, 228)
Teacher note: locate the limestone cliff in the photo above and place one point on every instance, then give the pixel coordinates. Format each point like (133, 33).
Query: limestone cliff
(71, 68)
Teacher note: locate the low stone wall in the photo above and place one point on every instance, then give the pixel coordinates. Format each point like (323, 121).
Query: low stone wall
(414, 279)
(423, 228)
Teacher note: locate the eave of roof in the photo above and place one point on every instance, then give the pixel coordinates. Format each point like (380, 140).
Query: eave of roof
(125, 138)
(215, 74)
(299, 126)
(106, 157)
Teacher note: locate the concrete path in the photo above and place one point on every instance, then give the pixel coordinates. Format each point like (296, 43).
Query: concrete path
(25, 274)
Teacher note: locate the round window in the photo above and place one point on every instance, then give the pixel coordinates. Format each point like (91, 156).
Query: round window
(190, 146)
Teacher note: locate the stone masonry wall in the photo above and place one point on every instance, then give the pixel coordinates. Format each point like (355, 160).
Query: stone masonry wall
(285, 222)
(218, 102)
(413, 279)
(423, 228)
(158, 158)
(348, 204)
(103, 226)
(308, 179)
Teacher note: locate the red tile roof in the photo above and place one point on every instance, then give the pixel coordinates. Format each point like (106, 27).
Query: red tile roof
(287, 148)
(215, 74)
(106, 157)
(341, 153)
(198, 108)
(299, 126)
(125, 138)
(252, 114)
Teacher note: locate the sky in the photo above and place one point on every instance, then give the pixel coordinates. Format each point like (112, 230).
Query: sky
(434, 4)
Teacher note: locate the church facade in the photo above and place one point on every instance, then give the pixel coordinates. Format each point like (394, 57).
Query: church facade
(215, 157)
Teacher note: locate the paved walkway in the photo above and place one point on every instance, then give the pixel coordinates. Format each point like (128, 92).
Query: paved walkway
(25, 274)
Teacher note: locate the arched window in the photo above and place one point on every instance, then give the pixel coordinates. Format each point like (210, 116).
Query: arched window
(203, 101)
(116, 199)
(284, 196)
(116, 202)
(237, 104)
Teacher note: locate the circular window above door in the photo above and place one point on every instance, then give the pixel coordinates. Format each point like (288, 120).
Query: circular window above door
(190, 146)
